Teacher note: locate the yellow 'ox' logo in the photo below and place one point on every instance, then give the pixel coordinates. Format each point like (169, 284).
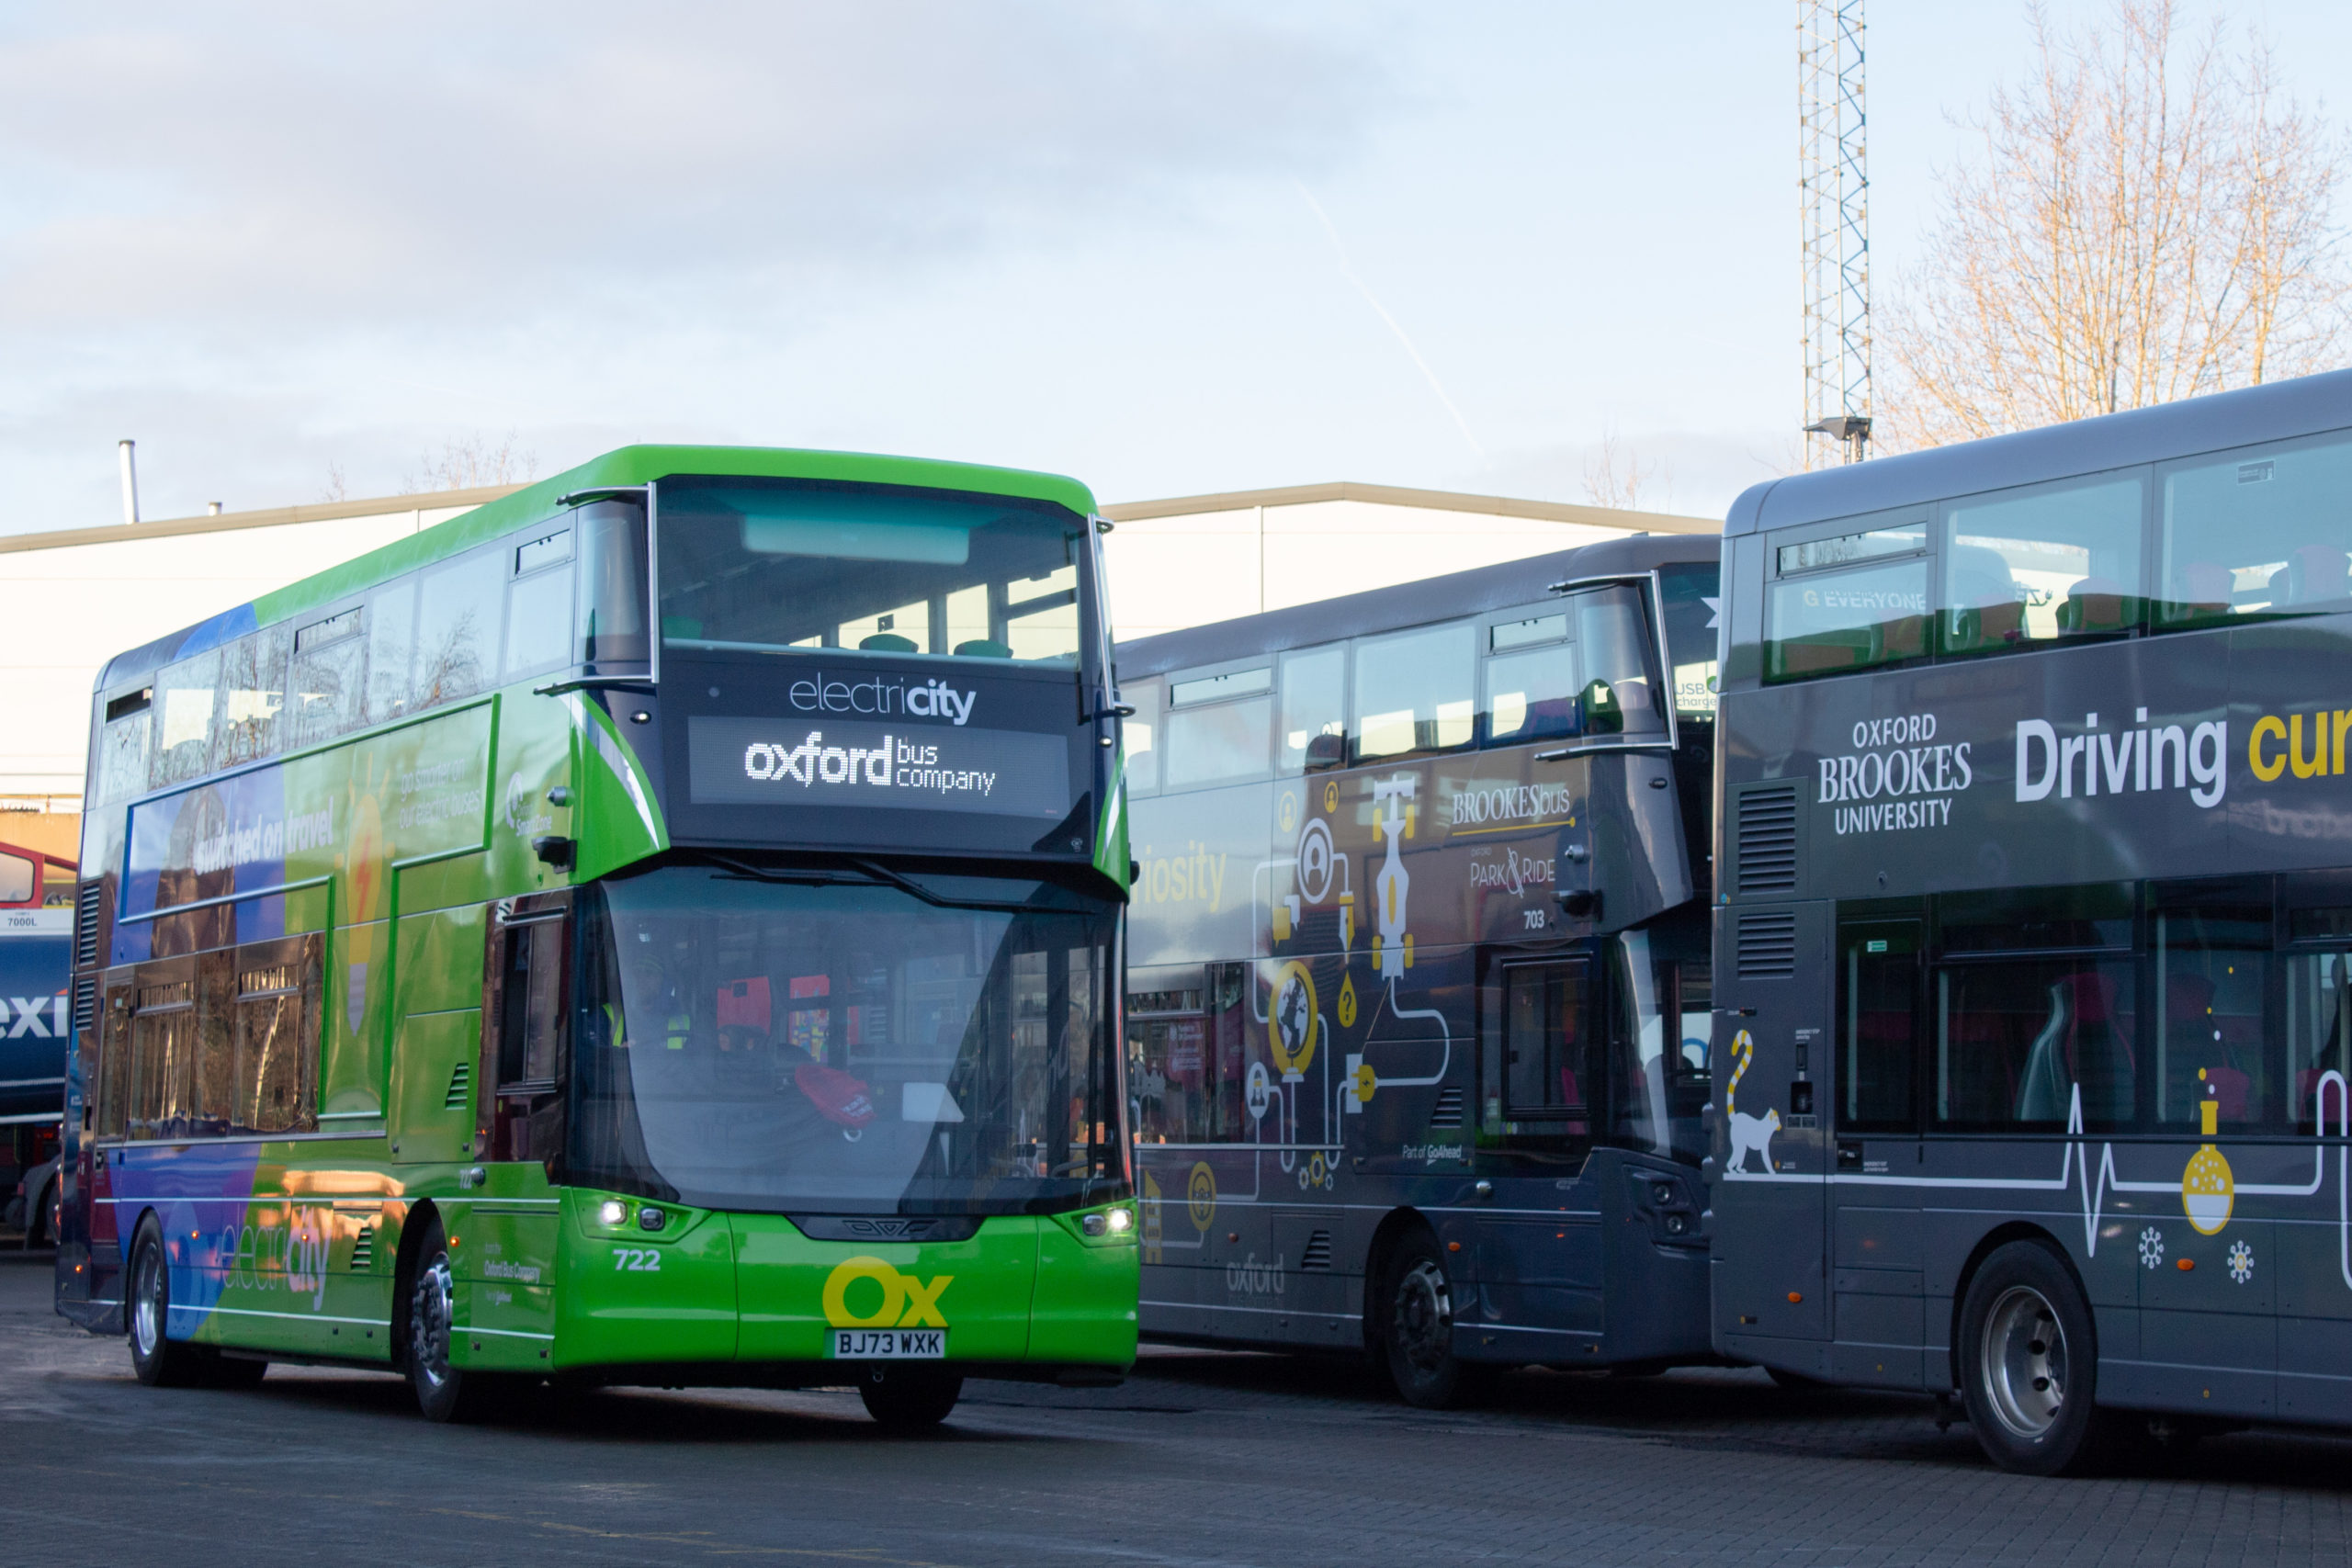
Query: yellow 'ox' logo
(907, 1302)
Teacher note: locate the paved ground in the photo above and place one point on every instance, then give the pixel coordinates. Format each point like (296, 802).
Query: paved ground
(1202, 1460)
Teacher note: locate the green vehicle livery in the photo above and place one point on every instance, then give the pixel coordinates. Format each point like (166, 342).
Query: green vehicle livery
(664, 926)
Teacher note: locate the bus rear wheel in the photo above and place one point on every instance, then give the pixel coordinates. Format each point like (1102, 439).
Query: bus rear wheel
(444, 1392)
(905, 1400)
(2029, 1363)
(159, 1360)
(1417, 1326)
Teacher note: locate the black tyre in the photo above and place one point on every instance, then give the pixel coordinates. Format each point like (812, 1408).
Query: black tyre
(160, 1361)
(1794, 1382)
(1417, 1325)
(909, 1400)
(2029, 1365)
(40, 1218)
(444, 1392)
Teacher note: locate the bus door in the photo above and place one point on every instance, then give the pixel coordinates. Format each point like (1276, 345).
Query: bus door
(1540, 1255)
(1875, 1254)
(1770, 1162)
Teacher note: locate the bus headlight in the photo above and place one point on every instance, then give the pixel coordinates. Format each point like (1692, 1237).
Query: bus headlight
(611, 1212)
(1110, 1222)
(1122, 1221)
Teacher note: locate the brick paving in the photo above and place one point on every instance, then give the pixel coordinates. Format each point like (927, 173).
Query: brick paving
(1202, 1459)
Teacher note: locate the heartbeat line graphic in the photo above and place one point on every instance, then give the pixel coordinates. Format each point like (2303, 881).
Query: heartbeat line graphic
(2075, 1166)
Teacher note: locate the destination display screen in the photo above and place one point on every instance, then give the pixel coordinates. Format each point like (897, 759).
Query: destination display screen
(826, 761)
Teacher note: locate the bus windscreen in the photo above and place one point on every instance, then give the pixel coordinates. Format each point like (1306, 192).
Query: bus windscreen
(761, 565)
(841, 1048)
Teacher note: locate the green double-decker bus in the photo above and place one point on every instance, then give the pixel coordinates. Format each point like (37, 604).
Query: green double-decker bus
(662, 927)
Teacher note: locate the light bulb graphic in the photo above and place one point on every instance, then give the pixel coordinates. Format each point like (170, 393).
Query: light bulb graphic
(2206, 1190)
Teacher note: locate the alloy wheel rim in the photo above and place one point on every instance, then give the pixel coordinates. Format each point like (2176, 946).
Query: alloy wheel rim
(1424, 1316)
(428, 1322)
(146, 1311)
(2025, 1362)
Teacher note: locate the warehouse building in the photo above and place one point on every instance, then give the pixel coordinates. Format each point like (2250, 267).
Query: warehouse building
(83, 596)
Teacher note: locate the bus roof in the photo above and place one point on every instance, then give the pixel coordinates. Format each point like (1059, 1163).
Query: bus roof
(2276, 412)
(1470, 592)
(624, 465)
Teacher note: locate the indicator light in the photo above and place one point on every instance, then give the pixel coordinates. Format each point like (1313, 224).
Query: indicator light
(613, 1211)
(651, 1219)
(1094, 1225)
(1795, 1296)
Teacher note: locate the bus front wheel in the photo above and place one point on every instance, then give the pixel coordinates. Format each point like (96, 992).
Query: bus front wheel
(444, 1392)
(907, 1400)
(1417, 1326)
(2029, 1362)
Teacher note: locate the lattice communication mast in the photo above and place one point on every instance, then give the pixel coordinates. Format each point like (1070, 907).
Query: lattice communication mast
(1835, 199)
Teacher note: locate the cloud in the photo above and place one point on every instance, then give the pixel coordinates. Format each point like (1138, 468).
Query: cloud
(454, 166)
(266, 237)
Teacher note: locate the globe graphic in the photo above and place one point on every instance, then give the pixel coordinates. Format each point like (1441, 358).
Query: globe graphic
(1292, 1020)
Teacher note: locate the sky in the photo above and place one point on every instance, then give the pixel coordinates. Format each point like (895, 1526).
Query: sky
(1168, 248)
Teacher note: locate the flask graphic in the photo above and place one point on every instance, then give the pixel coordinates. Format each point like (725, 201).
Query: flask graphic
(2206, 1190)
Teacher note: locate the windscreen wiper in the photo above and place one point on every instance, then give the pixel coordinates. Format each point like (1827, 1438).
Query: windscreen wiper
(876, 876)
(944, 901)
(810, 877)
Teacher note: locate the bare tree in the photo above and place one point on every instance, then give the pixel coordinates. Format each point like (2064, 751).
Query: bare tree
(1615, 476)
(466, 462)
(336, 487)
(2139, 223)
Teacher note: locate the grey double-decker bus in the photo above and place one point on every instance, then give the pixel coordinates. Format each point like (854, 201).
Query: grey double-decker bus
(2034, 940)
(1419, 969)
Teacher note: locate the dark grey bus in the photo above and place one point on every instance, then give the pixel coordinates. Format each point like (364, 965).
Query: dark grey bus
(2034, 946)
(1418, 990)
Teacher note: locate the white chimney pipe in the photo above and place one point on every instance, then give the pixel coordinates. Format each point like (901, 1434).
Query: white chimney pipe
(212, 508)
(129, 454)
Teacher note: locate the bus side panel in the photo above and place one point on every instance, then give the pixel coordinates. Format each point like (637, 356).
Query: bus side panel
(504, 1255)
(432, 1102)
(2314, 1306)
(1770, 1164)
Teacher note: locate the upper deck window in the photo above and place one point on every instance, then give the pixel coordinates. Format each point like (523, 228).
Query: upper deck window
(1530, 680)
(1415, 691)
(2256, 533)
(1220, 729)
(539, 604)
(1315, 694)
(2055, 563)
(761, 565)
(1849, 603)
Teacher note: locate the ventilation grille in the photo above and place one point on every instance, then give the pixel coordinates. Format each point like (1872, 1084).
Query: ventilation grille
(86, 903)
(363, 1250)
(1319, 1251)
(1768, 945)
(460, 1081)
(85, 1003)
(1767, 839)
(1449, 1109)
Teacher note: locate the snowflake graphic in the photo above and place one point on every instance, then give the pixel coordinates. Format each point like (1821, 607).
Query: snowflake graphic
(2241, 1262)
(2152, 1247)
